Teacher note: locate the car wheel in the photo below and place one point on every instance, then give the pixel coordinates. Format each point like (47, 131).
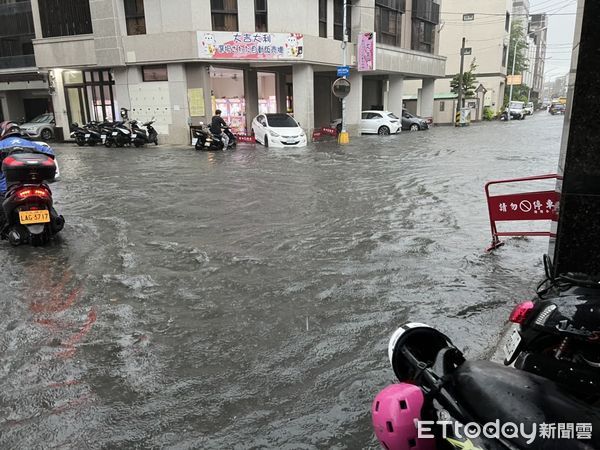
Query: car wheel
(266, 143)
(383, 131)
(46, 134)
(414, 127)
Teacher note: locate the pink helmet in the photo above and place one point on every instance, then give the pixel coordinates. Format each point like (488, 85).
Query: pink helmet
(395, 411)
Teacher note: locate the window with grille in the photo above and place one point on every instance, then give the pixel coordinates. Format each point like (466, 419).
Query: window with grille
(224, 15)
(65, 17)
(338, 20)
(260, 14)
(388, 21)
(16, 34)
(134, 16)
(423, 36)
(323, 18)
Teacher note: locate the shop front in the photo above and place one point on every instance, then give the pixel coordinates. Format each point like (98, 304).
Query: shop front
(89, 96)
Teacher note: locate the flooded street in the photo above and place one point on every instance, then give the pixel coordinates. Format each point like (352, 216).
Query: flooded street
(244, 299)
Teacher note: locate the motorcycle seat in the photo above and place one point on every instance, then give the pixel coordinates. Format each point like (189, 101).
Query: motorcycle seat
(491, 392)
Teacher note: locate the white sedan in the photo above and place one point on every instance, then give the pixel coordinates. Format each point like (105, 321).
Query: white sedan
(375, 122)
(278, 130)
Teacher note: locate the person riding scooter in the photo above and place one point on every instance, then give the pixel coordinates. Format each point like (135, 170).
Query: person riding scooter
(11, 136)
(216, 128)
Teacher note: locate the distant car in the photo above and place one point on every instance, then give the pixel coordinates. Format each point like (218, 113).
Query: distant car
(528, 109)
(557, 108)
(42, 127)
(382, 123)
(516, 110)
(278, 130)
(413, 123)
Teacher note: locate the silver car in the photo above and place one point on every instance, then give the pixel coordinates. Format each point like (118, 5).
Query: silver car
(42, 127)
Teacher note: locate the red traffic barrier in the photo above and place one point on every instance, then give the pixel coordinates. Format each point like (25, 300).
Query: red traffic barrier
(527, 206)
(325, 131)
(245, 138)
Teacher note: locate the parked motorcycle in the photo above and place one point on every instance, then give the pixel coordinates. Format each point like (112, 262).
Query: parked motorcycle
(140, 137)
(78, 133)
(559, 333)
(29, 215)
(446, 402)
(206, 141)
(119, 135)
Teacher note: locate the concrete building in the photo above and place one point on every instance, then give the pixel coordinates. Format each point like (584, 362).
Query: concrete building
(179, 60)
(23, 91)
(538, 35)
(486, 27)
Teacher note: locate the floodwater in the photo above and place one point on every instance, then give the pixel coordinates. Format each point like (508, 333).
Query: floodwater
(244, 299)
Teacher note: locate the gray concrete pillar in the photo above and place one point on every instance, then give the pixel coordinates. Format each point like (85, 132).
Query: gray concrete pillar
(251, 96)
(426, 98)
(354, 104)
(395, 94)
(281, 93)
(178, 128)
(304, 96)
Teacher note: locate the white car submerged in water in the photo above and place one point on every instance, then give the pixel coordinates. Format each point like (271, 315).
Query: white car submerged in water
(278, 130)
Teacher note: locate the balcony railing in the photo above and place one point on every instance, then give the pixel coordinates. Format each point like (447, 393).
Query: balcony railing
(427, 11)
(17, 62)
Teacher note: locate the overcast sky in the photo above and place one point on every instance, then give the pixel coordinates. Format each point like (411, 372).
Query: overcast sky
(561, 26)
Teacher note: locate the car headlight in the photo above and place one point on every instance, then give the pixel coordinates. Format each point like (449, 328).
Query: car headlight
(272, 133)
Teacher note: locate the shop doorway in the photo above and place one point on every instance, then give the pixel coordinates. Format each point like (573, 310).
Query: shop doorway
(227, 87)
(89, 96)
(267, 92)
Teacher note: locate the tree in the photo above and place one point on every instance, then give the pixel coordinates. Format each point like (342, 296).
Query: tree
(468, 82)
(518, 39)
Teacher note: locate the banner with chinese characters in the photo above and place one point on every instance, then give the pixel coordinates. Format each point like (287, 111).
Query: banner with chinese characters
(527, 206)
(366, 60)
(233, 45)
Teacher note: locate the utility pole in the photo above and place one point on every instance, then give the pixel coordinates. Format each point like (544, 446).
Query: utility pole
(344, 138)
(512, 81)
(460, 83)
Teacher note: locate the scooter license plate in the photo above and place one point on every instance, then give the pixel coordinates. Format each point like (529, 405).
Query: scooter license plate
(513, 344)
(33, 217)
(87, 136)
(115, 133)
(134, 136)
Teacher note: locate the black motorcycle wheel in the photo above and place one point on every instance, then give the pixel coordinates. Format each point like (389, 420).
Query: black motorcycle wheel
(39, 240)
(80, 141)
(138, 144)
(108, 144)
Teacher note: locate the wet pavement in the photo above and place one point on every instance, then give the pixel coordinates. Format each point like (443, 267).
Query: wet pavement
(244, 299)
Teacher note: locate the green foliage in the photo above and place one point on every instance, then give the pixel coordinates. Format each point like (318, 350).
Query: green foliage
(520, 94)
(488, 113)
(518, 39)
(468, 82)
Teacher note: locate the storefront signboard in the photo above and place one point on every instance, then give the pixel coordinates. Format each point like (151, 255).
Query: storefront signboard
(366, 52)
(234, 45)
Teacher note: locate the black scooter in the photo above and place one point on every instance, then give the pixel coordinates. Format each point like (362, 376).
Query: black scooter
(29, 215)
(119, 135)
(558, 336)
(206, 141)
(458, 395)
(140, 137)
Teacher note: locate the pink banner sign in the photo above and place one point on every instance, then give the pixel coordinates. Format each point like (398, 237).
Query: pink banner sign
(228, 45)
(366, 52)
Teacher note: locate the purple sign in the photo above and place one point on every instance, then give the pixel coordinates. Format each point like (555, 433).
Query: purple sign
(366, 52)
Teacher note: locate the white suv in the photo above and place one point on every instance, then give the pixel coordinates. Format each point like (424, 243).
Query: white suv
(376, 122)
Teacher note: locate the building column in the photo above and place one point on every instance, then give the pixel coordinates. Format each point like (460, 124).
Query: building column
(250, 96)
(178, 128)
(395, 94)
(426, 98)
(59, 101)
(281, 93)
(304, 96)
(354, 104)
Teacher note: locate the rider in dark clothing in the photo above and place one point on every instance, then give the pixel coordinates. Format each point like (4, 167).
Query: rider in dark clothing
(216, 127)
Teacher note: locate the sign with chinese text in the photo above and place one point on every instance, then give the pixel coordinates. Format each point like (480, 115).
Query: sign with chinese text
(366, 52)
(528, 206)
(233, 45)
(514, 80)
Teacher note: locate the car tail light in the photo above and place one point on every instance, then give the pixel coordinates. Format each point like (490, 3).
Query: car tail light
(519, 314)
(22, 194)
